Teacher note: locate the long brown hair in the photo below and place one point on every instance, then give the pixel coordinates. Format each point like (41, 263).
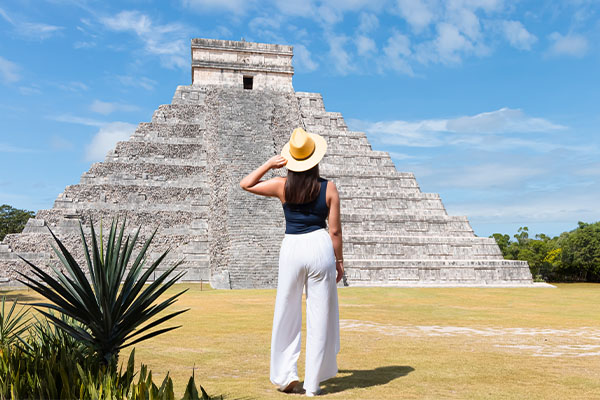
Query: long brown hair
(302, 187)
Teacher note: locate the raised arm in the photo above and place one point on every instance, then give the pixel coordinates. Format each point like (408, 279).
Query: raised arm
(335, 228)
(272, 187)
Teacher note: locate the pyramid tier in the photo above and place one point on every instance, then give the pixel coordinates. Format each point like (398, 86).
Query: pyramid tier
(398, 272)
(419, 247)
(159, 132)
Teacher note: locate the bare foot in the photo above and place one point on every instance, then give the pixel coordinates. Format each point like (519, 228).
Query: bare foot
(290, 387)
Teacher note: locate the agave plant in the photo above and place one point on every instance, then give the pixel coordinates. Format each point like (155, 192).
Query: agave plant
(115, 302)
(12, 325)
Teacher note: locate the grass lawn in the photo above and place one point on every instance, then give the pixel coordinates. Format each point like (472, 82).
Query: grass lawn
(397, 343)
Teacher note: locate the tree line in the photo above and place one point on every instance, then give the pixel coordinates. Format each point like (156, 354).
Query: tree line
(572, 256)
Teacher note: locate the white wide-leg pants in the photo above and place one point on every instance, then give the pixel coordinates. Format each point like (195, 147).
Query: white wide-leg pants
(306, 260)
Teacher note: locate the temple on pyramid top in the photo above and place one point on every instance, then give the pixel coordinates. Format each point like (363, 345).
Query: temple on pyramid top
(252, 66)
(180, 173)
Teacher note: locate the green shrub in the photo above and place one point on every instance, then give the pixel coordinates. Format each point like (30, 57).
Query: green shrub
(74, 354)
(47, 363)
(113, 308)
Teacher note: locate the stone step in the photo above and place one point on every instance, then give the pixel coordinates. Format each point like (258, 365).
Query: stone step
(343, 134)
(398, 217)
(200, 161)
(435, 229)
(166, 140)
(193, 209)
(420, 247)
(179, 114)
(144, 170)
(369, 204)
(68, 220)
(320, 120)
(396, 272)
(390, 238)
(348, 148)
(399, 183)
(146, 182)
(121, 193)
(157, 130)
(352, 191)
(134, 150)
(405, 226)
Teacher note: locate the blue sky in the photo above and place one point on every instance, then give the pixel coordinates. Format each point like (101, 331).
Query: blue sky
(493, 104)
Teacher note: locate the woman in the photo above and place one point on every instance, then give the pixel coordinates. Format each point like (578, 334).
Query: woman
(309, 257)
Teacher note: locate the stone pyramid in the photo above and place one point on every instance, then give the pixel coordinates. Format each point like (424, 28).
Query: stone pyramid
(180, 173)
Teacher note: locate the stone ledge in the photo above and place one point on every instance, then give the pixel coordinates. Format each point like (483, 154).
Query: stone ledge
(242, 46)
(450, 285)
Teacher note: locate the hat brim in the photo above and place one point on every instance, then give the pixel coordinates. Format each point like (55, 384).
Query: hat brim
(304, 165)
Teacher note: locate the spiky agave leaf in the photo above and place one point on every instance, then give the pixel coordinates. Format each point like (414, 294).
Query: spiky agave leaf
(12, 325)
(113, 307)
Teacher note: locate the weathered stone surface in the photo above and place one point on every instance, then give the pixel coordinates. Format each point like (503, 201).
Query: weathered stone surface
(180, 173)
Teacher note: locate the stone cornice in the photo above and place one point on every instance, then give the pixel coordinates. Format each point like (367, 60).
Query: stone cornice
(243, 67)
(245, 47)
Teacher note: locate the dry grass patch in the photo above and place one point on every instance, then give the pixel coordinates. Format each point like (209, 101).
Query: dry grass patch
(399, 343)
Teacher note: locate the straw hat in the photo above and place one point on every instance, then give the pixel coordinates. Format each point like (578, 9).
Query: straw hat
(304, 150)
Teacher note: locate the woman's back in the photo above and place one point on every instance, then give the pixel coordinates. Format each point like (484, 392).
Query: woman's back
(307, 217)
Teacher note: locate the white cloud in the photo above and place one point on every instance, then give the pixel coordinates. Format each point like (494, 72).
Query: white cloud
(569, 45)
(165, 41)
(9, 71)
(329, 16)
(365, 45)
(234, 6)
(106, 139)
(137, 81)
(517, 35)
(105, 108)
(368, 22)
(84, 45)
(504, 120)
(4, 15)
(31, 30)
(8, 148)
(303, 59)
(73, 86)
(397, 52)
(30, 90)
(338, 54)
(295, 7)
(60, 144)
(561, 206)
(456, 131)
(71, 119)
(262, 23)
(467, 23)
(416, 12)
(450, 43)
(486, 175)
(38, 31)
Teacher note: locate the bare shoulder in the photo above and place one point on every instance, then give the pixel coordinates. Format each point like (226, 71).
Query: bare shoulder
(332, 193)
(331, 188)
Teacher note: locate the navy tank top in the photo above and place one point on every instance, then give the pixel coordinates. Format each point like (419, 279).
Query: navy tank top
(307, 217)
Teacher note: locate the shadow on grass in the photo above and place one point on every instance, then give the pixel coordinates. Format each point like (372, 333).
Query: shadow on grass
(364, 378)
